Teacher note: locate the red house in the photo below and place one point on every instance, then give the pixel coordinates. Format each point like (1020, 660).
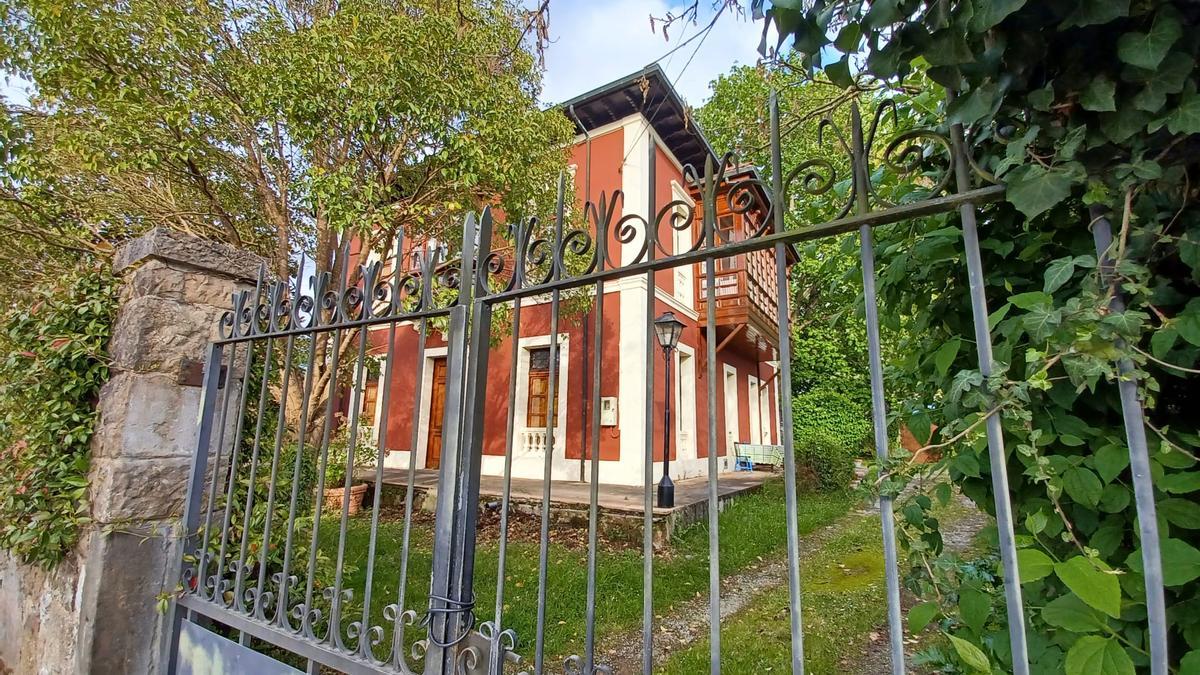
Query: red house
(617, 124)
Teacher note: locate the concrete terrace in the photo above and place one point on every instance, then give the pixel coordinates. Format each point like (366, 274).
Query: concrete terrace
(570, 499)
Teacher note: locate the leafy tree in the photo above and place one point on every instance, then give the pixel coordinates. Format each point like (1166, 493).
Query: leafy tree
(1085, 108)
(280, 127)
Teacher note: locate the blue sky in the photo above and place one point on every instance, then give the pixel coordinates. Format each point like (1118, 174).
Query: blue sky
(598, 42)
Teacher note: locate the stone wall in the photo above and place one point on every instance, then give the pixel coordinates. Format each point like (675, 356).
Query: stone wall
(96, 611)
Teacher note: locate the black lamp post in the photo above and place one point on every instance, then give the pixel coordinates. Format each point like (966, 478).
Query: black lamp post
(667, 328)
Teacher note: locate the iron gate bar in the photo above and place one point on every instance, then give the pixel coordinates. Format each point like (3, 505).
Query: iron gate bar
(648, 438)
(784, 333)
(520, 231)
(478, 352)
(1014, 605)
(195, 485)
(552, 410)
(710, 319)
(1139, 461)
(401, 616)
(878, 406)
(286, 579)
(446, 608)
(366, 643)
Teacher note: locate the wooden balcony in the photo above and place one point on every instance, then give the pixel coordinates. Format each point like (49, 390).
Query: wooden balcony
(747, 308)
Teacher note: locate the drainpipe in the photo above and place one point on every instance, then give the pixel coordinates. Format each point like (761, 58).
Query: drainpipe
(583, 392)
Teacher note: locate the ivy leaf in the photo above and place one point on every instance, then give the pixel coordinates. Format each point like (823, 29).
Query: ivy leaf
(1089, 13)
(1147, 50)
(1162, 341)
(1058, 273)
(981, 102)
(1168, 78)
(1190, 664)
(989, 14)
(1098, 95)
(1041, 322)
(1180, 483)
(1186, 120)
(1083, 486)
(1094, 655)
(1180, 562)
(1033, 564)
(943, 358)
(1181, 512)
(949, 48)
(1119, 126)
(1033, 189)
(1094, 586)
(1188, 322)
(972, 656)
(974, 608)
(883, 13)
(839, 73)
(920, 616)
(1109, 461)
(1069, 612)
(1030, 300)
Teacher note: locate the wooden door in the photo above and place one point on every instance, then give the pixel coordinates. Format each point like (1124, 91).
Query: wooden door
(437, 411)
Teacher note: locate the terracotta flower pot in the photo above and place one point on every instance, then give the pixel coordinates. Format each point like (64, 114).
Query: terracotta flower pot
(335, 497)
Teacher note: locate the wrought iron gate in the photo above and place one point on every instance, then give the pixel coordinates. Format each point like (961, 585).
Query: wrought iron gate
(253, 567)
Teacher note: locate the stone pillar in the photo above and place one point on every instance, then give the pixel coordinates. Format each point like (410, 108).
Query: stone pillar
(175, 289)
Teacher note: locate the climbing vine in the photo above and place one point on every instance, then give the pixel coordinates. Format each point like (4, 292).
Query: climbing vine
(1085, 109)
(53, 365)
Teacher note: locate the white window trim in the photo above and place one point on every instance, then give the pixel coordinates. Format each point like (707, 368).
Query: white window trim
(521, 397)
(379, 385)
(689, 294)
(431, 353)
(685, 423)
(731, 424)
(754, 409)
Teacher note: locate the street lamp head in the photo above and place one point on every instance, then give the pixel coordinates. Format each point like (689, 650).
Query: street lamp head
(668, 329)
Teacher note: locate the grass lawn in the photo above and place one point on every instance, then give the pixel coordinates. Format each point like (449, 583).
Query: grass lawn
(750, 528)
(842, 600)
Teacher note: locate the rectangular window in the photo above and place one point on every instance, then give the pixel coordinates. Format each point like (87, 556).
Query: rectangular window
(540, 405)
(726, 233)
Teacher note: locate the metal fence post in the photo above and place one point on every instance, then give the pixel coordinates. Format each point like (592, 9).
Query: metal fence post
(1139, 464)
(995, 437)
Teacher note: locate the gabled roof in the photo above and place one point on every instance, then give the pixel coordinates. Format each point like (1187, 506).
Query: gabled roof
(649, 92)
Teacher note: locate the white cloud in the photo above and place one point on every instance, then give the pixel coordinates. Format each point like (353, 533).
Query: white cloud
(598, 42)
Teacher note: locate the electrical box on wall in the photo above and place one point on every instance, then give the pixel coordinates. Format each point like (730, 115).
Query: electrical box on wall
(608, 411)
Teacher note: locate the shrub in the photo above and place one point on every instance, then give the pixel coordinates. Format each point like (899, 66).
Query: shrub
(825, 461)
(825, 411)
(53, 364)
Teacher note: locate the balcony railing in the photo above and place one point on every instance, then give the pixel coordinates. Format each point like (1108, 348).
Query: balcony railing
(533, 441)
(745, 289)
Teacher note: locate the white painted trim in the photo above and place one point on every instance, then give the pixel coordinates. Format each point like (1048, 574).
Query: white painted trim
(431, 353)
(754, 409)
(683, 276)
(379, 385)
(685, 401)
(731, 425)
(605, 129)
(532, 465)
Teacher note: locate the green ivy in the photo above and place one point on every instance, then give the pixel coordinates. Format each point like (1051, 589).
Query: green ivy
(1081, 107)
(824, 461)
(53, 365)
(826, 411)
